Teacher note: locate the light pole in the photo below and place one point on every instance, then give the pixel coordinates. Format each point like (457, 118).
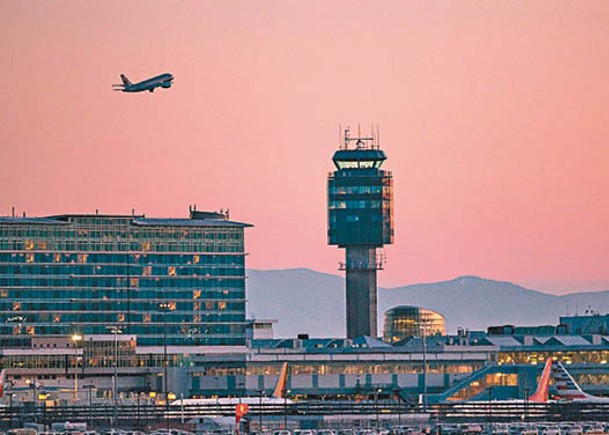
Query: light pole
(424, 336)
(260, 393)
(165, 307)
(376, 406)
(89, 387)
(76, 338)
(490, 413)
(285, 408)
(10, 408)
(397, 391)
(526, 403)
(115, 330)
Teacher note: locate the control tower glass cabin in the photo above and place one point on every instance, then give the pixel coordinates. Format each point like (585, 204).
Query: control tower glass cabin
(360, 219)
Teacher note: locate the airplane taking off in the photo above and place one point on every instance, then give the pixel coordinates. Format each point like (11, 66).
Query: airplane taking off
(569, 390)
(162, 81)
(277, 398)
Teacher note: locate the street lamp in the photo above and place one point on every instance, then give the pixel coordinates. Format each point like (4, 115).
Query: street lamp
(76, 338)
(376, 406)
(526, 403)
(397, 392)
(490, 413)
(165, 307)
(10, 407)
(115, 330)
(260, 393)
(89, 387)
(424, 337)
(285, 407)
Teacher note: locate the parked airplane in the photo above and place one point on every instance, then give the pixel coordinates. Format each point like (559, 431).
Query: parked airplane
(277, 398)
(2, 381)
(569, 390)
(541, 394)
(543, 386)
(163, 81)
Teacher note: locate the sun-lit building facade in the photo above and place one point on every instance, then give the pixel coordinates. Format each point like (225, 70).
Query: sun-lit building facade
(166, 281)
(410, 321)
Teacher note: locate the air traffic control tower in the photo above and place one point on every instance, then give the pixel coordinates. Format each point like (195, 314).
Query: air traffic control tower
(360, 219)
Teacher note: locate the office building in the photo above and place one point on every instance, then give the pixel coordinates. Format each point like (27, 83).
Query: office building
(166, 281)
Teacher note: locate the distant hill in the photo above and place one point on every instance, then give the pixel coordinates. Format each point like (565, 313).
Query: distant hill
(305, 301)
(302, 300)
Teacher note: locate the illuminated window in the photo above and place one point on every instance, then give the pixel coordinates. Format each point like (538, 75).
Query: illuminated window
(57, 318)
(134, 282)
(222, 305)
(195, 259)
(82, 258)
(16, 306)
(29, 258)
(171, 270)
(147, 271)
(146, 246)
(3, 293)
(57, 258)
(146, 318)
(196, 306)
(196, 294)
(29, 245)
(42, 245)
(31, 330)
(120, 317)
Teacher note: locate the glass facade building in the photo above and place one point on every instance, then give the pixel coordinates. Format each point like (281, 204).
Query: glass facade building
(166, 281)
(409, 321)
(360, 199)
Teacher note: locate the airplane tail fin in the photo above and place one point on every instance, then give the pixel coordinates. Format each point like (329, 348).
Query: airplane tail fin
(2, 381)
(125, 80)
(565, 384)
(279, 391)
(541, 393)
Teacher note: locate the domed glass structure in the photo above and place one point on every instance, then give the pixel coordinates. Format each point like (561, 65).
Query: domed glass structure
(407, 321)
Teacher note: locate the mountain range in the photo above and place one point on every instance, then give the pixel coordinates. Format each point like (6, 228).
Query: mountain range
(305, 301)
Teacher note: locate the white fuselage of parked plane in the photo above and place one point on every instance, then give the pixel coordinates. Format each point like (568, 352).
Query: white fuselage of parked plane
(569, 390)
(225, 401)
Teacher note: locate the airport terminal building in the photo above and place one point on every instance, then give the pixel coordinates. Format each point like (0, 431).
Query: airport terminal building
(162, 302)
(469, 366)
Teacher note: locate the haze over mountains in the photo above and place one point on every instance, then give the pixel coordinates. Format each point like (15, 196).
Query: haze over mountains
(305, 301)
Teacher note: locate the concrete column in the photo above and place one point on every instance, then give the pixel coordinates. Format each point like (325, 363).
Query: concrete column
(361, 291)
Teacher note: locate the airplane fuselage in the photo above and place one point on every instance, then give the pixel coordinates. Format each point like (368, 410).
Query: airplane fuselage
(160, 81)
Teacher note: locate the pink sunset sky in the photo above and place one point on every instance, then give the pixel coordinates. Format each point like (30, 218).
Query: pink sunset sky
(494, 117)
